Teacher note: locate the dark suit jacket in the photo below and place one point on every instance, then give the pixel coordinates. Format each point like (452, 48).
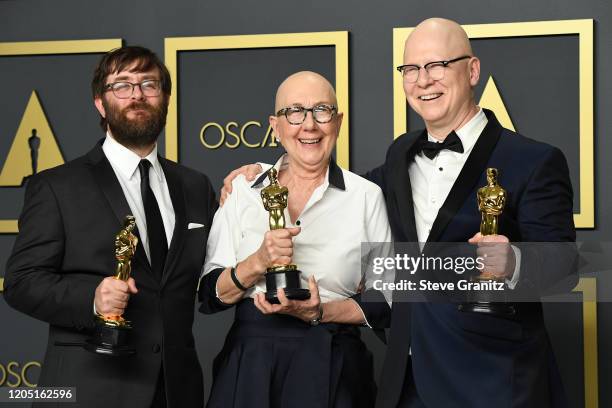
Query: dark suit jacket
(65, 248)
(462, 359)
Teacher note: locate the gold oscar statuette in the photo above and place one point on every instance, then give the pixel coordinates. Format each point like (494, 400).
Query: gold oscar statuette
(491, 202)
(111, 335)
(274, 198)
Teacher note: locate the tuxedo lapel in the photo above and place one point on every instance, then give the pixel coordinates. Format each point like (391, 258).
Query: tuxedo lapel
(175, 186)
(403, 192)
(468, 177)
(107, 181)
(401, 310)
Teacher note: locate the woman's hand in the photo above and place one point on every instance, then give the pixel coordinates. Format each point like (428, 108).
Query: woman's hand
(306, 310)
(276, 248)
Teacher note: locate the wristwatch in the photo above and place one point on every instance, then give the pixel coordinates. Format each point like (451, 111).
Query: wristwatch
(317, 320)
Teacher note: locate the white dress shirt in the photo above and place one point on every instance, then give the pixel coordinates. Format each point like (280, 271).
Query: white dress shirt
(125, 165)
(334, 223)
(432, 180)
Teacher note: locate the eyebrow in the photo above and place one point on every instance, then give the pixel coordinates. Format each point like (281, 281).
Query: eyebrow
(313, 105)
(144, 78)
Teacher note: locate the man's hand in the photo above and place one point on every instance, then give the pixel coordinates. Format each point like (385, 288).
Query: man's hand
(276, 247)
(499, 261)
(306, 310)
(112, 296)
(249, 171)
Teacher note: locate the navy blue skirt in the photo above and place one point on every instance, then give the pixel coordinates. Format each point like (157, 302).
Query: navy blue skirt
(277, 361)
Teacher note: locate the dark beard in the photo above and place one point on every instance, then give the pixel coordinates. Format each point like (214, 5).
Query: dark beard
(139, 132)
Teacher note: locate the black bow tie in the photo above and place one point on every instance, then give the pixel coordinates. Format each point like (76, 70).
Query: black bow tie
(431, 149)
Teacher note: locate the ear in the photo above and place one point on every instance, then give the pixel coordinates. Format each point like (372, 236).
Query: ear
(339, 117)
(100, 106)
(274, 123)
(474, 66)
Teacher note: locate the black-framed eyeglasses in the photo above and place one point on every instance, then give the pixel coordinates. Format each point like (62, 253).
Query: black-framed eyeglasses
(296, 115)
(124, 89)
(435, 69)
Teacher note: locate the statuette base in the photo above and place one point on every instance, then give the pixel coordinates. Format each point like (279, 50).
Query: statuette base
(110, 340)
(288, 279)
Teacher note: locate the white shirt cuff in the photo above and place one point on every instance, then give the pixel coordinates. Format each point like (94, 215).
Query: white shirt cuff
(217, 293)
(367, 324)
(517, 268)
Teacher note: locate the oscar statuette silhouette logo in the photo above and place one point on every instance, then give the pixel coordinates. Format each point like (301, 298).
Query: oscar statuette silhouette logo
(274, 198)
(111, 335)
(34, 143)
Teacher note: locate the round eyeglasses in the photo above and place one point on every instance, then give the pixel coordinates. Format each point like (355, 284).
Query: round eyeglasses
(124, 90)
(296, 115)
(435, 69)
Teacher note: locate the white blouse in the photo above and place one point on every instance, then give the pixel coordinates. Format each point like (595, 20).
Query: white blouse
(343, 212)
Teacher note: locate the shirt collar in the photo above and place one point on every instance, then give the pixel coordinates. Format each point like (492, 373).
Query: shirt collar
(126, 161)
(334, 173)
(468, 133)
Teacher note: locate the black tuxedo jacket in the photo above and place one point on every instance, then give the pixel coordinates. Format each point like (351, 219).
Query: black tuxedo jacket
(65, 248)
(462, 359)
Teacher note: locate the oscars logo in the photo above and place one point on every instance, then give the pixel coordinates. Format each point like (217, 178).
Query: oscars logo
(233, 135)
(34, 147)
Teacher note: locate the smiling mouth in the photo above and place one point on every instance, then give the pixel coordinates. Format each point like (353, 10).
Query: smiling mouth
(430, 97)
(309, 141)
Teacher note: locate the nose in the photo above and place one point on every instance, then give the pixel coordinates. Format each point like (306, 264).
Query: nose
(424, 80)
(137, 93)
(309, 122)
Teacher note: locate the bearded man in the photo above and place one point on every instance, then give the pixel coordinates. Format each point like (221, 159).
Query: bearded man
(61, 268)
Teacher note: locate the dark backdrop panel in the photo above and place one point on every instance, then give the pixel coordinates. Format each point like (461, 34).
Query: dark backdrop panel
(564, 324)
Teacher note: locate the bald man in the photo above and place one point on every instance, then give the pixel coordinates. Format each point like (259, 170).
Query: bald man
(439, 355)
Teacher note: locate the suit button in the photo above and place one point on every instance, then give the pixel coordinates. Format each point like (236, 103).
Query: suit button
(156, 348)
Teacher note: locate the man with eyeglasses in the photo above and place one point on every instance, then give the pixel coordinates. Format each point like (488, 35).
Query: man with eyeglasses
(438, 355)
(62, 267)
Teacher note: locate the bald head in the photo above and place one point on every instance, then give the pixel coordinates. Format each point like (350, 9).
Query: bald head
(438, 35)
(305, 87)
(443, 95)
